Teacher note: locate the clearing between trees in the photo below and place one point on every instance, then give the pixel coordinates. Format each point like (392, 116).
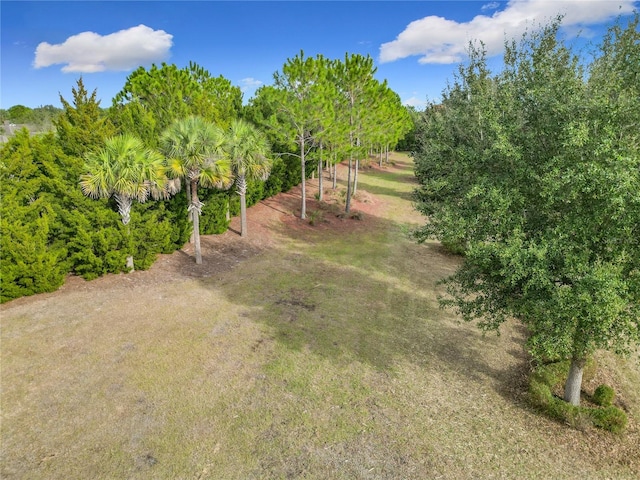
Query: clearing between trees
(301, 351)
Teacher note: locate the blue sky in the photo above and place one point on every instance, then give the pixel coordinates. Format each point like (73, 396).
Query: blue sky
(46, 46)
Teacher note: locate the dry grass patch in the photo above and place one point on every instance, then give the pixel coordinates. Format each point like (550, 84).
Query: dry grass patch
(306, 352)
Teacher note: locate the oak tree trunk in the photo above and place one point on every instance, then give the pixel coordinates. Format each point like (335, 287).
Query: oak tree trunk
(574, 381)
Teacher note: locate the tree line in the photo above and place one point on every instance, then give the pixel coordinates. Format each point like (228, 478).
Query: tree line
(533, 174)
(74, 200)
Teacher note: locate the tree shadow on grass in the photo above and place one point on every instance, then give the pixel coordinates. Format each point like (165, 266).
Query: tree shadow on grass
(344, 314)
(380, 190)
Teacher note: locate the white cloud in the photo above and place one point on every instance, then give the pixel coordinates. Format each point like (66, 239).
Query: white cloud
(490, 6)
(249, 84)
(438, 40)
(415, 102)
(89, 52)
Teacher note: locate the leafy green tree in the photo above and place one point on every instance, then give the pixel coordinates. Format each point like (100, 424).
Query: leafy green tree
(19, 114)
(535, 173)
(247, 150)
(128, 171)
(82, 126)
(194, 148)
(408, 143)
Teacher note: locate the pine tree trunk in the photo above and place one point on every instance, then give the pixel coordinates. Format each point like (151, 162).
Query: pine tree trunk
(320, 192)
(303, 213)
(335, 171)
(574, 381)
(355, 177)
(347, 207)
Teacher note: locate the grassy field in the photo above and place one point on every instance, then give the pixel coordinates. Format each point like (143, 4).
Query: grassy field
(321, 354)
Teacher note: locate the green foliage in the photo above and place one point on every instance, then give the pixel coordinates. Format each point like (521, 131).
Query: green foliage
(49, 228)
(19, 114)
(274, 183)
(151, 230)
(214, 212)
(82, 127)
(547, 377)
(153, 99)
(181, 227)
(604, 396)
(609, 418)
(315, 217)
(28, 262)
(536, 171)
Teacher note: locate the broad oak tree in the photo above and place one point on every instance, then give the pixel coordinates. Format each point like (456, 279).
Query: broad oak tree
(535, 175)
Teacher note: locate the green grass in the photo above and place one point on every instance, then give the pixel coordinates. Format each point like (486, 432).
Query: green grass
(325, 357)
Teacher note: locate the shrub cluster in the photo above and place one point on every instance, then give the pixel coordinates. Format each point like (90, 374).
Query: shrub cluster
(50, 229)
(606, 416)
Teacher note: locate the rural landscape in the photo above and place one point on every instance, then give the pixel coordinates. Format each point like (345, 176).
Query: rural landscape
(323, 282)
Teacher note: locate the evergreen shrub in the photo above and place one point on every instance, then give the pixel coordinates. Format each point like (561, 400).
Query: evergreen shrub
(604, 396)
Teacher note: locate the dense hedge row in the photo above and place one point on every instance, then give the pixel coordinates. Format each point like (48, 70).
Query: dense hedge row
(50, 229)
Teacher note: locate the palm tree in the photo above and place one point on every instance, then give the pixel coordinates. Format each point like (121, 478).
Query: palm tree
(194, 149)
(246, 148)
(125, 169)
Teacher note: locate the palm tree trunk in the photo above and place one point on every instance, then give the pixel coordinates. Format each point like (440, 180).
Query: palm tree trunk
(241, 188)
(124, 203)
(188, 190)
(195, 208)
(129, 264)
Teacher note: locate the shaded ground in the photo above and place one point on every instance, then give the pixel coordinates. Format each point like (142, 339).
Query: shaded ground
(304, 351)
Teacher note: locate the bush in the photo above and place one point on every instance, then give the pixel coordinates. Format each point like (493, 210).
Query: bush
(604, 396)
(546, 377)
(315, 217)
(214, 213)
(609, 418)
